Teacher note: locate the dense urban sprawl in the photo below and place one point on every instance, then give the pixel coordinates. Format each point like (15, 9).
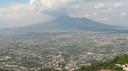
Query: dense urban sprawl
(59, 49)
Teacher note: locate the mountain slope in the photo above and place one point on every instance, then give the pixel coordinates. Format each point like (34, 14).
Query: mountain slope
(68, 23)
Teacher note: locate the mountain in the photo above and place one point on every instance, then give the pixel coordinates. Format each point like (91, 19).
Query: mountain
(69, 23)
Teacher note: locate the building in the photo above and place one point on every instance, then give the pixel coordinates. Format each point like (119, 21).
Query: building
(125, 67)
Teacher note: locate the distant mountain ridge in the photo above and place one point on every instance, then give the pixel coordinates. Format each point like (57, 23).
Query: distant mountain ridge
(68, 23)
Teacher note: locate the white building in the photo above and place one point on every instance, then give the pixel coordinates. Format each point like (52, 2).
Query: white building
(125, 67)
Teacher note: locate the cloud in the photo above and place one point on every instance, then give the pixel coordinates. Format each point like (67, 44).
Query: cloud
(117, 5)
(109, 10)
(37, 11)
(13, 12)
(123, 14)
(34, 12)
(20, 15)
(105, 19)
(103, 7)
(53, 7)
(100, 6)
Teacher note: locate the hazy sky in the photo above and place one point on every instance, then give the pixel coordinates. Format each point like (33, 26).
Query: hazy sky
(16, 13)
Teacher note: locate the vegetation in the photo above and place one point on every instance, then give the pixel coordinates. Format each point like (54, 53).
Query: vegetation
(107, 64)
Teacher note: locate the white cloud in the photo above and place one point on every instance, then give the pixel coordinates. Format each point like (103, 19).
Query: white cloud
(104, 6)
(34, 12)
(20, 15)
(99, 6)
(117, 5)
(52, 6)
(13, 12)
(43, 10)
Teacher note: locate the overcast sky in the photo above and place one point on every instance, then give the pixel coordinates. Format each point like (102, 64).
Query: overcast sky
(16, 13)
